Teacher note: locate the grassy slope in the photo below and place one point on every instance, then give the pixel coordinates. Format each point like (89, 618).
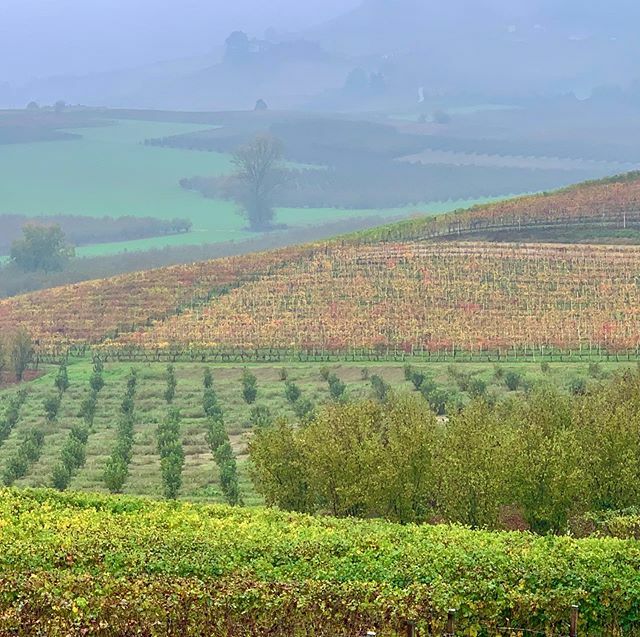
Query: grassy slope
(200, 476)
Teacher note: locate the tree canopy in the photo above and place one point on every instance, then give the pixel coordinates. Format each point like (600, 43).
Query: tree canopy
(257, 177)
(42, 248)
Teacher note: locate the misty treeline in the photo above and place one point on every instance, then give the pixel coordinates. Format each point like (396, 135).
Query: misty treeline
(358, 164)
(80, 230)
(534, 462)
(368, 183)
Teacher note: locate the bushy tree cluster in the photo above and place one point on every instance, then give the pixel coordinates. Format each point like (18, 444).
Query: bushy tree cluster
(117, 469)
(218, 440)
(539, 459)
(171, 454)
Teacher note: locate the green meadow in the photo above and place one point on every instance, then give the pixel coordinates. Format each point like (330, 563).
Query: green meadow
(110, 172)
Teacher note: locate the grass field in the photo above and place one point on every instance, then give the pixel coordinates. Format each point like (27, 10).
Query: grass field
(109, 172)
(200, 475)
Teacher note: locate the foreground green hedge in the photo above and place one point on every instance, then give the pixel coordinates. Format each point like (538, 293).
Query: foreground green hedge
(94, 565)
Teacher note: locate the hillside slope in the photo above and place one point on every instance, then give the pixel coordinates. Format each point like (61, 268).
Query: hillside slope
(378, 290)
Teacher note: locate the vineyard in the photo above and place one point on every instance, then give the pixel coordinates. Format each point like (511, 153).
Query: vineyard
(85, 313)
(416, 297)
(95, 565)
(613, 202)
(375, 294)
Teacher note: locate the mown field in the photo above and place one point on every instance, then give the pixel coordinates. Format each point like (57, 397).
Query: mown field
(91, 565)
(200, 476)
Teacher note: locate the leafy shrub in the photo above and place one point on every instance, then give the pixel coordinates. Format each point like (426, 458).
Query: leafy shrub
(62, 379)
(292, 392)
(260, 417)
(512, 380)
(380, 388)
(249, 387)
(172, 383)
(336, 387)
(115, 474)
(51, 407)
(417, 378)
(61, 477)
(211, 406)
(476, 388)
(12, 414)
(303, 408)
(88, 408)
(595, 370)
(207, 380)
(27, 453)
(578, 386)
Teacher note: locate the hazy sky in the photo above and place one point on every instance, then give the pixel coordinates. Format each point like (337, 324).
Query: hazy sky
(46, 37)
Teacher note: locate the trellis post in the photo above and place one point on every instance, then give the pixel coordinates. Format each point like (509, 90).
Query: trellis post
(573, 630)
(451, 623)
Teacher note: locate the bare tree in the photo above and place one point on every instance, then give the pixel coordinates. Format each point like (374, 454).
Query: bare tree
(258, 175)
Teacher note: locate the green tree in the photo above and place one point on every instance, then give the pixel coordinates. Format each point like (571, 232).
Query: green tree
(171, 454)
(607, 425)
(336, 387)
(62, 379)
(249, 387)
(291, 392)
(545, 473)
(172, 383)
(21, 353)
(42, 248)
(279, 469)
(472, 467)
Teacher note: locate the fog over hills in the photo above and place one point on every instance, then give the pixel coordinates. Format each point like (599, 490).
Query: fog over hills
(169, 55)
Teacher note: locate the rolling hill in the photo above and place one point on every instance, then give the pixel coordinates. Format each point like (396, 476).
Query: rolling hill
(385, 291)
